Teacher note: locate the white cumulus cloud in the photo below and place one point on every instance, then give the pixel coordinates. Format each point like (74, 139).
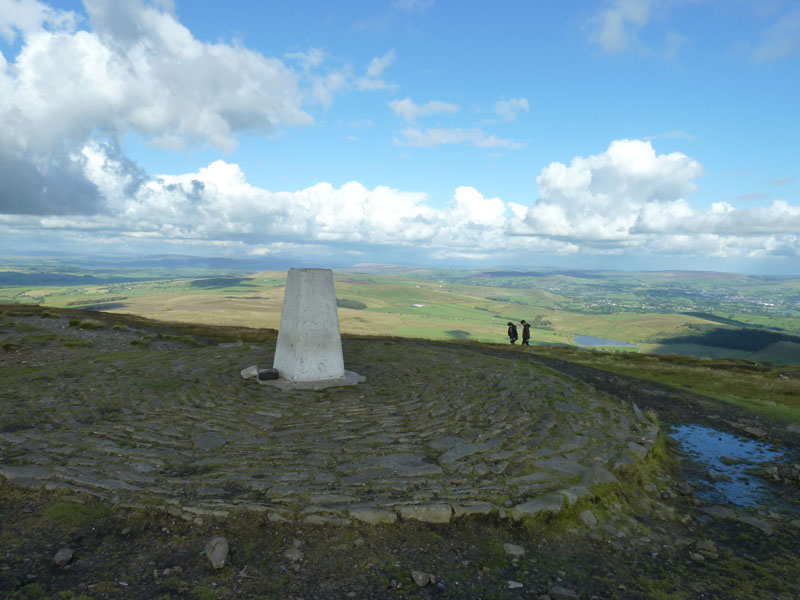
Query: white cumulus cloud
(373, 78)
(136, 69)
(409, 111)
(439, 136)
(26, 16)
(507, 109)
(615, 28)
(599, 197)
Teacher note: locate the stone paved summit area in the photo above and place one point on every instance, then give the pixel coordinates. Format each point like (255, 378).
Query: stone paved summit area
(434, 433)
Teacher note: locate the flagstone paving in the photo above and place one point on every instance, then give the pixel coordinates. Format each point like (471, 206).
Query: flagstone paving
(431, 435)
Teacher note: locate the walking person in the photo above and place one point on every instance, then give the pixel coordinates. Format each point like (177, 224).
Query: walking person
(512, 332)
(526, 333)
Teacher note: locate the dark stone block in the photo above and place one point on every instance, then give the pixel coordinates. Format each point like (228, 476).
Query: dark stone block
(267, 374)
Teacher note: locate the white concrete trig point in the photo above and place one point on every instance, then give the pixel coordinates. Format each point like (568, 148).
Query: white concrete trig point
(308, 354)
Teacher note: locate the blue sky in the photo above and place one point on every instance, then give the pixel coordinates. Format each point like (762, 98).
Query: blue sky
(641, 134)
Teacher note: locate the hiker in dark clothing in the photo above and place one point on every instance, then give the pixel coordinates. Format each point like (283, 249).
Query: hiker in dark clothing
(526, 333)
(512, 332)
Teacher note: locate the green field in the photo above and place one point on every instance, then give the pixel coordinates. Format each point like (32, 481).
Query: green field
(707, 315)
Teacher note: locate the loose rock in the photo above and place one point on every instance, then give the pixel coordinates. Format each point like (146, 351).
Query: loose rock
(294, 554)
(217, 551)
(249, 372)
(552, 503)
(561, 593)
(420, 578)
(62, 557)
(268, 374)
(428, 513)
(373, 516)
(588, 518)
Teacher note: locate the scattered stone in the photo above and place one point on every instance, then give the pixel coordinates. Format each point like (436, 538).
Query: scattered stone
(275, 517)
(706, 546)
(208, 441)
(428, 513)
(62, 557)
(513, 585)
(373, 516)
(561, 593)
(479, 508)
(249, 372)
(217, 551)
(514, 550)
(720, 512)
(638, 450)
(588, 518)
(598, 474)
(766, 528)
(755, 431)
(562, 465)
(13, 438)
(406, 464)
(551, 503)
(323, 520)
(575, 493)
(268, 374)
(230, 344)
(697, 557)
(420, 578)
(294, 554)
(461, 451)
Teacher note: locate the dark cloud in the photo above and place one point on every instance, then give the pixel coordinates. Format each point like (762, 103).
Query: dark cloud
(59, 189)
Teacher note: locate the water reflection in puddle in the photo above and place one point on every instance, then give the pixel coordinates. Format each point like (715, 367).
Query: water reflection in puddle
(727, 458)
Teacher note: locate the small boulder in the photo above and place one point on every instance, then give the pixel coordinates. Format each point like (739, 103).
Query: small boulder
(249, 372)
(294, 554)
(420, 578)
(217, 551)
(588, 518)
(267, 374)
(697, 557)
(707, 547)
(62, 557)
(514, 550)
(561, 593)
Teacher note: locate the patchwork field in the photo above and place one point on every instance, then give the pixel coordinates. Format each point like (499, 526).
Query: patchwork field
(695, 314)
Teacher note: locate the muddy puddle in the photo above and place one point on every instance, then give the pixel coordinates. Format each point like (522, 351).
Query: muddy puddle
(726, 465)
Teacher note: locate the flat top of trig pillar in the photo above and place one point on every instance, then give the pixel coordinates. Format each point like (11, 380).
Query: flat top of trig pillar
(310, 269)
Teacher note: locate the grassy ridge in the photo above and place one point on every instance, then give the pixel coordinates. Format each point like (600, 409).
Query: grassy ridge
(764, 389)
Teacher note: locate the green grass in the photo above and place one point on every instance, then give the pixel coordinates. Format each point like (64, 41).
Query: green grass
(69, 513)
(764, 389)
